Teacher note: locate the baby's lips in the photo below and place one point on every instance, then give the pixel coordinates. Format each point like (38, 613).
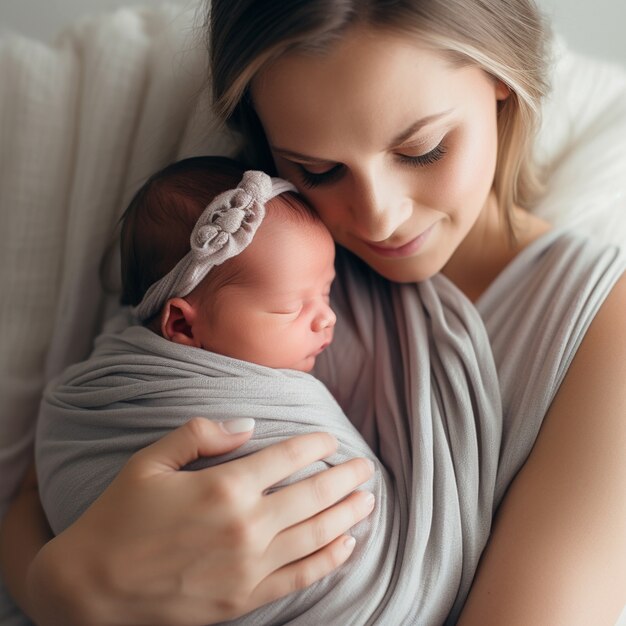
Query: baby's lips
(323, 347)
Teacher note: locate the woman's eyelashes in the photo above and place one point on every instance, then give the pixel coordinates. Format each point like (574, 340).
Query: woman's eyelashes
(315, 179)
(422, 160)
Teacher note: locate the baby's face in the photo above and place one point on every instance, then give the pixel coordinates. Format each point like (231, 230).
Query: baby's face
(279, 316)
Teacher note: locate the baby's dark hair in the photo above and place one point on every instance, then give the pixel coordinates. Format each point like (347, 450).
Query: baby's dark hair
(158, 222)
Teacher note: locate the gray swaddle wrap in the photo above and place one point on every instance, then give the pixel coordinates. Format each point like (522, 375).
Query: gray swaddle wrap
(447, 394)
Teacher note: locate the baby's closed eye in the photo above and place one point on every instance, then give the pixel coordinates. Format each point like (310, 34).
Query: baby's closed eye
(291, 309)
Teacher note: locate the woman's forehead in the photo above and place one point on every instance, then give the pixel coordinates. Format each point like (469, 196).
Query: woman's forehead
(384, 82)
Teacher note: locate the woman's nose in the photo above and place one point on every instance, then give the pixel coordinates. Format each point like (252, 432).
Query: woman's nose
(379, 207)
(324, 318)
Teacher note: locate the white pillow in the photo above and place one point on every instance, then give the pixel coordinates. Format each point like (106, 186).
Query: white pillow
(583, 144)
(82, 123)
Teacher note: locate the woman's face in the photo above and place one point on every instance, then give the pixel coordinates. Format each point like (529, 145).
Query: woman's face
(394, 147)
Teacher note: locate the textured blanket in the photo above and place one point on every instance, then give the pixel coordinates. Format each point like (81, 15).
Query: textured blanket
(415, 366)
(136, 386)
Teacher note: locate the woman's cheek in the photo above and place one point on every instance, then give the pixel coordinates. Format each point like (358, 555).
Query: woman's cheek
(468, 177)
(330, 205)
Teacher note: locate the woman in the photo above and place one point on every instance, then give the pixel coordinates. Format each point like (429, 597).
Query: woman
(409, 129)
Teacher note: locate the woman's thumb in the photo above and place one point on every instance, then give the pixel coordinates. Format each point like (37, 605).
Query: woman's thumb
(197, 438)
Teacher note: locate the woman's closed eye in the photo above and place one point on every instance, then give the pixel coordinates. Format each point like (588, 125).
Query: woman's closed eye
(422, 160)
(315, 179)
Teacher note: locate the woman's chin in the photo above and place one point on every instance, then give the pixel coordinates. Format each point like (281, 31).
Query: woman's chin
(408, 270)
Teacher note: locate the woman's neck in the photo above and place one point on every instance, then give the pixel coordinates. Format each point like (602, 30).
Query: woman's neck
(488, 248)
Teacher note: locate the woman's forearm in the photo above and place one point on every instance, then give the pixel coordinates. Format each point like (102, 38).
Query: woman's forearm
(24, 533)
(30, 562)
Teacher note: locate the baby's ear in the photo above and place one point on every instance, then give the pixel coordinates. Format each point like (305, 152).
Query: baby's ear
(177, 321)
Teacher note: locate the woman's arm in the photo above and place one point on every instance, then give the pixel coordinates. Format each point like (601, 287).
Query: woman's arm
(557, 553)
(24, 532)
(161, 546)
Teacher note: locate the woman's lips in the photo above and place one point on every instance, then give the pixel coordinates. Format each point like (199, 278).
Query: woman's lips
(404, 250)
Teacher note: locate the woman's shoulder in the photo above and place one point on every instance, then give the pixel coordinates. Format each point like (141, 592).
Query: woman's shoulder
(559, 262)
(605, 341)
(542, 308)
(553, 289)
(548, 318)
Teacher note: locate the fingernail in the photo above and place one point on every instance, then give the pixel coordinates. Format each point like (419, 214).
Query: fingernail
(370, 500)
(349, 543)
(371, 465)
(234, 427)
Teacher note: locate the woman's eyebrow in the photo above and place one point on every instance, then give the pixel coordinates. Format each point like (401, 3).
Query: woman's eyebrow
(398, 139)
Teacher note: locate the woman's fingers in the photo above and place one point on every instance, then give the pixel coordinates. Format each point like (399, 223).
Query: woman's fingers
(308, 497)
(281, 460)
(198, 437)
(274, 531)
(303, 573)
(315, 533)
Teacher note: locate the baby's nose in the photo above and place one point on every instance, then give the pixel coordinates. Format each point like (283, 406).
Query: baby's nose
(326, 318)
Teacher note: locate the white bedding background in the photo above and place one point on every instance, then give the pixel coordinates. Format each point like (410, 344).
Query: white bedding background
(595, 28)
(84, 120)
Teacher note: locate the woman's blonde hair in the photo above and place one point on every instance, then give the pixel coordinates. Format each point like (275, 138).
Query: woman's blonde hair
(506, 38)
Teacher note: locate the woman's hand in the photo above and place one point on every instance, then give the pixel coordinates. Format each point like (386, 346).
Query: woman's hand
(162, 546)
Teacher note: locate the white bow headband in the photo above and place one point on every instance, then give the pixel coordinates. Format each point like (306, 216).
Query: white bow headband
(224, 229)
